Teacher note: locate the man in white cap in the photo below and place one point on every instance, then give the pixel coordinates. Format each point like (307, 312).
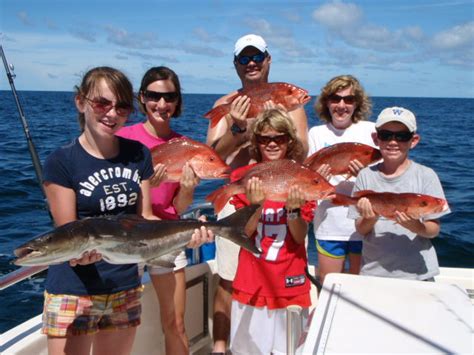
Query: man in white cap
(231, 139)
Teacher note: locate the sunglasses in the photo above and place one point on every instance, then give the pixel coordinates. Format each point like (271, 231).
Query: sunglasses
(157, 96)
(101, 106)
(266, 140)
(402, 136)
(245, 59)
(335, 99)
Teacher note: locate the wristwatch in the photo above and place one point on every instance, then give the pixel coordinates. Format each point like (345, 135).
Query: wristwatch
(237, 130)
(293, 214)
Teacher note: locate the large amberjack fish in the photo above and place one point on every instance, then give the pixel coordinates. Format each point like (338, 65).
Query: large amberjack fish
(287, 95)
(387, 203)
(277, 177)
(338, 156)
(129, 239)
(205, 162)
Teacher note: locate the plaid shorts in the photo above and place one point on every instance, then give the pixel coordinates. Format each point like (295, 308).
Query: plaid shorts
(75, 315)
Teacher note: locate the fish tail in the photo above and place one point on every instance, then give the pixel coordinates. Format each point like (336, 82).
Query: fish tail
(233, 226)
(220, 197)
(216, 114)
(343, 200)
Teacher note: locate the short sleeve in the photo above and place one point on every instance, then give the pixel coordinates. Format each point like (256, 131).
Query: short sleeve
(56, 169)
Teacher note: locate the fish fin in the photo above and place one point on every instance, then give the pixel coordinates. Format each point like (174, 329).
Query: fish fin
(165, 260)
(217, 113)
(220, 197)
(343, 200)
(236, 223)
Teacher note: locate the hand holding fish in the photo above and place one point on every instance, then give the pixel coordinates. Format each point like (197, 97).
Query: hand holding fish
(239, 109)
(254, 191)
(295, 198)
(159, 175)
(189, 180)
(365, 208)
(325, 171)
(200, 237)
(86, 258)
(355, 167)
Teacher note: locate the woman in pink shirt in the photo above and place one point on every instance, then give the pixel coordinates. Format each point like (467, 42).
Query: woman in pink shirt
(160, 100)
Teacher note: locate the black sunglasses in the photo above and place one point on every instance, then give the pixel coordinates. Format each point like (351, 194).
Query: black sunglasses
(402, 136)
(265, 140)
(257, 58)
(157, 96)
(335, 99)
(101, 106)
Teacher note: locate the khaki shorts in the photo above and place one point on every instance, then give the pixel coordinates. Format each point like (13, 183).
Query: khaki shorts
(227, 252)
(180, 262)
(75, 315)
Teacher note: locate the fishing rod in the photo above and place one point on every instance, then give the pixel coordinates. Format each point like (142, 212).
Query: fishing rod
(31, 147)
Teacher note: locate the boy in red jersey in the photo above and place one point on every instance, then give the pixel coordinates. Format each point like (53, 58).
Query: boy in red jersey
(265, 285)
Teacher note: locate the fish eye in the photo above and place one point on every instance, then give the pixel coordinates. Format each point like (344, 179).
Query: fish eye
(211, 158)
(316, 181)
(424, 203)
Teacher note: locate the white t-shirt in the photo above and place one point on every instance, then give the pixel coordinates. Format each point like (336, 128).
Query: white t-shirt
(330, 221)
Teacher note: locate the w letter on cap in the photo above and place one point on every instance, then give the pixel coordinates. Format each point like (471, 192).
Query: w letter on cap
(397, 111)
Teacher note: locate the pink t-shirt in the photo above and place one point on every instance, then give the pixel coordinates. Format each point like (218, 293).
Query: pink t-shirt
(163, 195)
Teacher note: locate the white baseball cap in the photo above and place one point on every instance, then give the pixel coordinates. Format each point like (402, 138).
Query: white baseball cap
(398, 114)
(250, 40)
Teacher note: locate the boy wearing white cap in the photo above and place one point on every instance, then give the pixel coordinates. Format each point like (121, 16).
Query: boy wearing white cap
(231, 139)
(402, 249)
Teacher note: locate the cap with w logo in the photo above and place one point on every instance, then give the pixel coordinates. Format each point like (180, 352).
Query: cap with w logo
(397, 114)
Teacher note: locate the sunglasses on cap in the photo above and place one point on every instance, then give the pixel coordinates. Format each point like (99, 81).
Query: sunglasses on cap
(266, 140)
(157, 96)
(335, 99)
(246, 59)
(402, 136)
(101, 106)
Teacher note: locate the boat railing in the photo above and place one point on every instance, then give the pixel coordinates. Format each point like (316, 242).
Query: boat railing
(25, 272)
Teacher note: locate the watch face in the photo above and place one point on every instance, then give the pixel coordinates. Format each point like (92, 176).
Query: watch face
(236, 129)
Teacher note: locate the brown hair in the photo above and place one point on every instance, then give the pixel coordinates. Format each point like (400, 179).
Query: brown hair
(363, 104)
(280, 121)
(161, 73)
(115, 79)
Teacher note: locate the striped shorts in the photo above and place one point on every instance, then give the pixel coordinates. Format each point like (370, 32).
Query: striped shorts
(75, 315)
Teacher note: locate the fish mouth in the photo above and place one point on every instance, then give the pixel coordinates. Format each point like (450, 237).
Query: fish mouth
(26, 252)
(305, 99)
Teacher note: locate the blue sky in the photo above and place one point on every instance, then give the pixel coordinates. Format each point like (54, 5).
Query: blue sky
(395, 47)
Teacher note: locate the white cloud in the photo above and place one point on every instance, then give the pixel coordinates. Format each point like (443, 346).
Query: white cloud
(337, 15)
(125, 39)
(24, 18)
(458, 37)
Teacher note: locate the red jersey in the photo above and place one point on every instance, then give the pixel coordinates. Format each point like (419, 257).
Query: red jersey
(277, 277)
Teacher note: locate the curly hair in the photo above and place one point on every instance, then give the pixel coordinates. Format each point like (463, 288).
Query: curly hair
(280, 121)
(363, 107)
(117, 81)
(161, 73)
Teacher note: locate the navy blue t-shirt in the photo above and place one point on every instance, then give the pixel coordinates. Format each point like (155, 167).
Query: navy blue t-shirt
(102, 187)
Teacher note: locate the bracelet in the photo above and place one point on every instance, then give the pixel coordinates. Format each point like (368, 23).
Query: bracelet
(293, 214)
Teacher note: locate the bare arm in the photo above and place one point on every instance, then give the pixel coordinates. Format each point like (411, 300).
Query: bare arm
(365, 223)
(62, 204)
(426, 229)
(300, 121)
(297, 226)
(188, 183)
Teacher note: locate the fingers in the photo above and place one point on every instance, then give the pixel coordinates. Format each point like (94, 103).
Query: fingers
(239, 109)
(355, 167)
(295, 198)
(365, 208)
(159, 175)
(188, 179)
(325, 171)
(86, 258)
(200, 236)
(254, 191)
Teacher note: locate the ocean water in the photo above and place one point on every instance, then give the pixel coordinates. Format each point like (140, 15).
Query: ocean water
(446, 128)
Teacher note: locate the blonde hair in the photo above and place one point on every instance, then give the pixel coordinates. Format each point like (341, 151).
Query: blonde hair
(363, 104)
(280, 121)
